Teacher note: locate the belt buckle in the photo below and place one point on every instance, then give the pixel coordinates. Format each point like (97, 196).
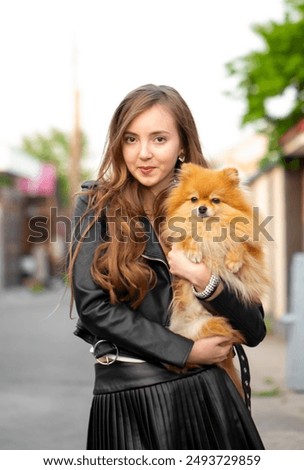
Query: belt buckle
(109, 361)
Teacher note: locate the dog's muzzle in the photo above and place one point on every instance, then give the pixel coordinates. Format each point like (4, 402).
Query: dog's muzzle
(201, 211)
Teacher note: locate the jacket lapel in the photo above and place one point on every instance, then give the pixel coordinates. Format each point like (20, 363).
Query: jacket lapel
(153, 247)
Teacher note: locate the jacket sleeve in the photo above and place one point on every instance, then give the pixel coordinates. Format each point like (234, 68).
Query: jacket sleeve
(249, 319)
(119, 323)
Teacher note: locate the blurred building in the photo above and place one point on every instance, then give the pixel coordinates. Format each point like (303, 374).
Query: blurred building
(27, 193)
(245, 156)
(278, 191)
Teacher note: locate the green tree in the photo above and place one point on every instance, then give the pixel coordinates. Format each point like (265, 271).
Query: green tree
(272, 72)
(55, 148)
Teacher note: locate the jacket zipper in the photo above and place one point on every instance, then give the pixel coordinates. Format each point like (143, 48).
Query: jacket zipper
(158, 259)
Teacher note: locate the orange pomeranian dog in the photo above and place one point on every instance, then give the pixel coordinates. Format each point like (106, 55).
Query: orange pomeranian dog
(210, 219)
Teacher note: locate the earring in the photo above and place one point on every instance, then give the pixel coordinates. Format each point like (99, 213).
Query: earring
(181, 158)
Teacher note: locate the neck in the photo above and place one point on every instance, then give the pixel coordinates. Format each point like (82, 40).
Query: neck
(148, 202)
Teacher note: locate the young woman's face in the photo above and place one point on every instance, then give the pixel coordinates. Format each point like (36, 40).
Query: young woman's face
(151, 146)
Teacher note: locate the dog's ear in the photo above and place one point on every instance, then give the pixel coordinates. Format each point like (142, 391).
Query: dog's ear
(232, 174)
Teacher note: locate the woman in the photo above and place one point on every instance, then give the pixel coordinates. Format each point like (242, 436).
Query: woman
(121, 282)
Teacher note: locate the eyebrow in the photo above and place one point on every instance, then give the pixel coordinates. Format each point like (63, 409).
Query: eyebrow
(152, 133)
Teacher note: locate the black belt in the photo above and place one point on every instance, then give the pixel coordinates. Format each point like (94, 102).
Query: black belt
(103, 348)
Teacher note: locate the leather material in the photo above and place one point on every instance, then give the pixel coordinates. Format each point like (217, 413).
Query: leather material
(122, 376)
(146, 407)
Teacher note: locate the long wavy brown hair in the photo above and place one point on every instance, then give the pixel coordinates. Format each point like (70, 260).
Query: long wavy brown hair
(118, 266)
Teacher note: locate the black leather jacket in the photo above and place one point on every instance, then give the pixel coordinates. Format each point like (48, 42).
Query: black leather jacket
(144, 332)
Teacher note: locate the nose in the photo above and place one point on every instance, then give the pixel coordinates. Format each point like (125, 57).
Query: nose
(202, 210)
(144, 151)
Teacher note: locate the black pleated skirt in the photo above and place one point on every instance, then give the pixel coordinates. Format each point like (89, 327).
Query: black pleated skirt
(145, 406)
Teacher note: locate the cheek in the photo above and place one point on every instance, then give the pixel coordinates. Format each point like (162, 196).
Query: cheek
(128, 156)
(212, 211)
(185, 210)
(168, 154)
(168, 162)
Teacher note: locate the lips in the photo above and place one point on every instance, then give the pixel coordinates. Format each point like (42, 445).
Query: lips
(146, 170)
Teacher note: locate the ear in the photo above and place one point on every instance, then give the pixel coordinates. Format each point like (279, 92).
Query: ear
(232, 174)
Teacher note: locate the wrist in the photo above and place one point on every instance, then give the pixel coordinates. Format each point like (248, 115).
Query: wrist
(209, 290)
(217, 291)
(194, 355)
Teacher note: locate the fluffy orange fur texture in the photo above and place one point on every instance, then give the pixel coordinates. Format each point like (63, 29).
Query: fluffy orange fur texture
(210, 218)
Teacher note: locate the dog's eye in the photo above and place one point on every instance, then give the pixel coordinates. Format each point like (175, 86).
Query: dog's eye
(194, 199)
(215, 200)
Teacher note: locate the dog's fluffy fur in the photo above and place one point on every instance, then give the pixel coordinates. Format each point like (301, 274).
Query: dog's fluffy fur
(211, 219)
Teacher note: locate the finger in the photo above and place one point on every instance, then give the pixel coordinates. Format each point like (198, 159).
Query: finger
(174, 248)
(224, 340)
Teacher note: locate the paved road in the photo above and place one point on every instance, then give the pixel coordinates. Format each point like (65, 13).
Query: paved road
(278, 411)
(46, 373)
(47, 376)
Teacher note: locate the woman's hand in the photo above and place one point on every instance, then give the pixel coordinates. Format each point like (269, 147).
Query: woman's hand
(197, 274)
(181, 266)
(210, 350)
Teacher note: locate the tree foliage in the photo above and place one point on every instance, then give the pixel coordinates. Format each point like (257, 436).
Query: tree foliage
(55, 148)
(271, 72)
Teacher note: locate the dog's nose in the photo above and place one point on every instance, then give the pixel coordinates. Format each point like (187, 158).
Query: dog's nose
(202, 210)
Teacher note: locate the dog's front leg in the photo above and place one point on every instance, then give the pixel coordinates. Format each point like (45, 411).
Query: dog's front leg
(234, 259)
(192, 250)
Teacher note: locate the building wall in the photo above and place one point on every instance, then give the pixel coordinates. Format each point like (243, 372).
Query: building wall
(294, 205)
(302, 211)
(1, 247)
(11, 236)
(268, 192)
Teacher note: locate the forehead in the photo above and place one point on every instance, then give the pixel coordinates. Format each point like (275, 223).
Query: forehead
(156, 118)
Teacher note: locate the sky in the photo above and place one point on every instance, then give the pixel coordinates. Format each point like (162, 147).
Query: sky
(108, 48)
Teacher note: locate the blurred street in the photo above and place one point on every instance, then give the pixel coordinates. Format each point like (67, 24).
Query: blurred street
(47, 377)
(46, 373)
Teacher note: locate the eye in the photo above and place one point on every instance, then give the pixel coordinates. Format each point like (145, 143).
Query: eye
(215, 200)
(160, 139)
(194, 199)
(129, 139)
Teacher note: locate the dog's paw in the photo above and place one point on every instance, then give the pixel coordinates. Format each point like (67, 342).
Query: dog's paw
(233, 261)
(233, 266)
(192, 251)
(194, 256)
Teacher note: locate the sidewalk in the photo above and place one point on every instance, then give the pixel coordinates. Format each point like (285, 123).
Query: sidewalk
(47, 379)
(46, 373)
(278, 412)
